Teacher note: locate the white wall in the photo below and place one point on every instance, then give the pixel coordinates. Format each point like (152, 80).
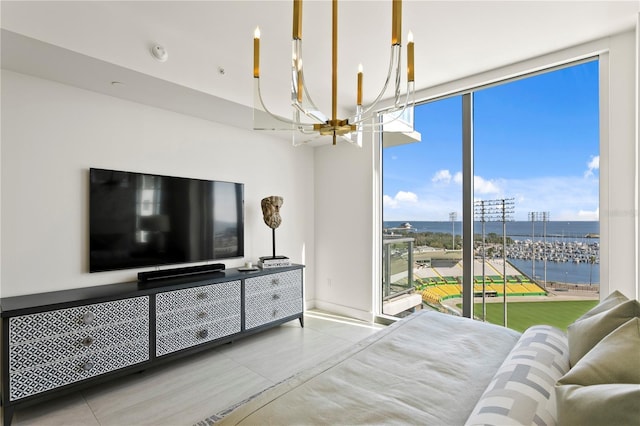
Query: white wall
(344, 229)
(347, 204)
(618, 168)
(53, 133)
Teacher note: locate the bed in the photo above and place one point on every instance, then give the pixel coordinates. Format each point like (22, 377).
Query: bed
(436, 369)
(430, 368)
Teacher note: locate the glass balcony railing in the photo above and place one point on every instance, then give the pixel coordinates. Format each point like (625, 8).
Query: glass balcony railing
(398, 297)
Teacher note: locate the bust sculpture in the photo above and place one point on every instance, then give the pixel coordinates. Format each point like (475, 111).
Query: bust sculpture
(271, 211)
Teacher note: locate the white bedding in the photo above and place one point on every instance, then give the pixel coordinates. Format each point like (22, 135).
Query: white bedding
(428, 369)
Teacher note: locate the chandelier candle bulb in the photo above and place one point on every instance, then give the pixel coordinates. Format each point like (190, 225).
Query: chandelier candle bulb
(256, 53)
(396, 22)
(410, 69)
(359, 98)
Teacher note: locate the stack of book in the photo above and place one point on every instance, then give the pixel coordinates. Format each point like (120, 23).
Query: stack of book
(273, 262)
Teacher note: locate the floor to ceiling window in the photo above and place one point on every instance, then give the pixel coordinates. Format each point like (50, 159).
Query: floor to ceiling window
(534, 167)
(421, 192)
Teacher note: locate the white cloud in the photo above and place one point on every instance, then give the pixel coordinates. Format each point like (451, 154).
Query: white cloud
(389, 202)
(589, 215)
(565, 198)
(443, 176)
(402, 197)
(482, 186)
(593, 164)
(406, 196)
(458, 178)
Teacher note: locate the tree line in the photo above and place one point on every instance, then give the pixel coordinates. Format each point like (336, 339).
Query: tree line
(444, 240)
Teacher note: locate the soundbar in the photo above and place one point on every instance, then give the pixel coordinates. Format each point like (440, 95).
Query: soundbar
(179, 272)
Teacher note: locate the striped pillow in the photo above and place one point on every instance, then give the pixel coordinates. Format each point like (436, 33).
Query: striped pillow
(522, 390)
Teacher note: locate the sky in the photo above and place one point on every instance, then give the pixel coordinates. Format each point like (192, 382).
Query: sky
(536, 140)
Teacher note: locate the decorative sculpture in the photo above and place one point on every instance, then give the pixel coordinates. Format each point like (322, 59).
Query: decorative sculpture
(271, 215)
(271, 211)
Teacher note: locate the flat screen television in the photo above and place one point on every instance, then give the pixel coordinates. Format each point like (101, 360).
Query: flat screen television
(140, 220)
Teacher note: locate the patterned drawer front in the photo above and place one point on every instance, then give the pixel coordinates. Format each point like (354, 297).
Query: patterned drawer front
(192, 316)
(273, 296)
(52, 349)
(203, 295)
(197, 334)
(45, 324)
(266, 283)
(168, 322)
(260, 315)
(30, 381)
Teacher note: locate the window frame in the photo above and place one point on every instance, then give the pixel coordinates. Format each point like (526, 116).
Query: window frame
(466, 88)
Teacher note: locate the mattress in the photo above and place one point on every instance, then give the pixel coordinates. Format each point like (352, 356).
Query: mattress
(429, 368)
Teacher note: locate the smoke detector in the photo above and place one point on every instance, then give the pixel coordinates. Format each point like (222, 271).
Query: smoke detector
(160, 53)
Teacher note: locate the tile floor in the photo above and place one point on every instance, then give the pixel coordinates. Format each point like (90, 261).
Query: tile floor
(188, 390)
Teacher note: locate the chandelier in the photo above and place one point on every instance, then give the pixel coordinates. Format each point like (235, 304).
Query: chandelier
(308, 120)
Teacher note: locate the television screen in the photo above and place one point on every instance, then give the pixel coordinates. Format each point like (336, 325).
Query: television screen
(138, 220)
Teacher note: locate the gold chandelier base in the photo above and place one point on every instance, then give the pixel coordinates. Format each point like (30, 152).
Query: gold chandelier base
(335, 127)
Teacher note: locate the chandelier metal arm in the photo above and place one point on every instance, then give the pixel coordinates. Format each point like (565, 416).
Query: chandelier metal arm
(364, 117)
(361, 119)
(265, 109)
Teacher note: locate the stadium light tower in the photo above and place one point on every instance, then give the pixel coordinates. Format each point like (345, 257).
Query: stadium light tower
(453, 216)
(500, 210)
(544, 218)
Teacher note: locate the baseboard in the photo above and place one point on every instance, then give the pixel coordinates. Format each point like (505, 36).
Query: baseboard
(342, 310)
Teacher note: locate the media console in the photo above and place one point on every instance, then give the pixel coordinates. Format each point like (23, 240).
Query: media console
(58, 342)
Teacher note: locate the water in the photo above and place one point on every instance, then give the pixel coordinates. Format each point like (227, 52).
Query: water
(574, 273)
(556, 231)
(521, 229)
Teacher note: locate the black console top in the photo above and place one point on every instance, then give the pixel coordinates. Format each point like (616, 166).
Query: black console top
(32, 303)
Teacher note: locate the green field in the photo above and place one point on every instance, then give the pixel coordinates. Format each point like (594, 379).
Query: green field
(522, 315)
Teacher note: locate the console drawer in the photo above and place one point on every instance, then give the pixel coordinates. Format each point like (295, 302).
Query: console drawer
(167, 322)
(260, 315)
(196, 334)
(273, 296)
(81, 318)
(52, 349)
(267, 283)
(30, 381)
(202, 295)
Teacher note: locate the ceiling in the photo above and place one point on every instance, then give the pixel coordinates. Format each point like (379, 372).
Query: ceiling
(210, 43)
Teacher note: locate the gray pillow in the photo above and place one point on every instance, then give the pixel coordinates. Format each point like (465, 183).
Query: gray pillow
(615, 359)
(586, 333)
(612, 300)
(598, 405)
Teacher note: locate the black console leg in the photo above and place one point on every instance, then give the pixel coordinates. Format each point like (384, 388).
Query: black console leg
(301, 321)
(7, 415)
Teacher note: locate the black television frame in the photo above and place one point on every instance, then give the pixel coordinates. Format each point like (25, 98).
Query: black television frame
(113, 229)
